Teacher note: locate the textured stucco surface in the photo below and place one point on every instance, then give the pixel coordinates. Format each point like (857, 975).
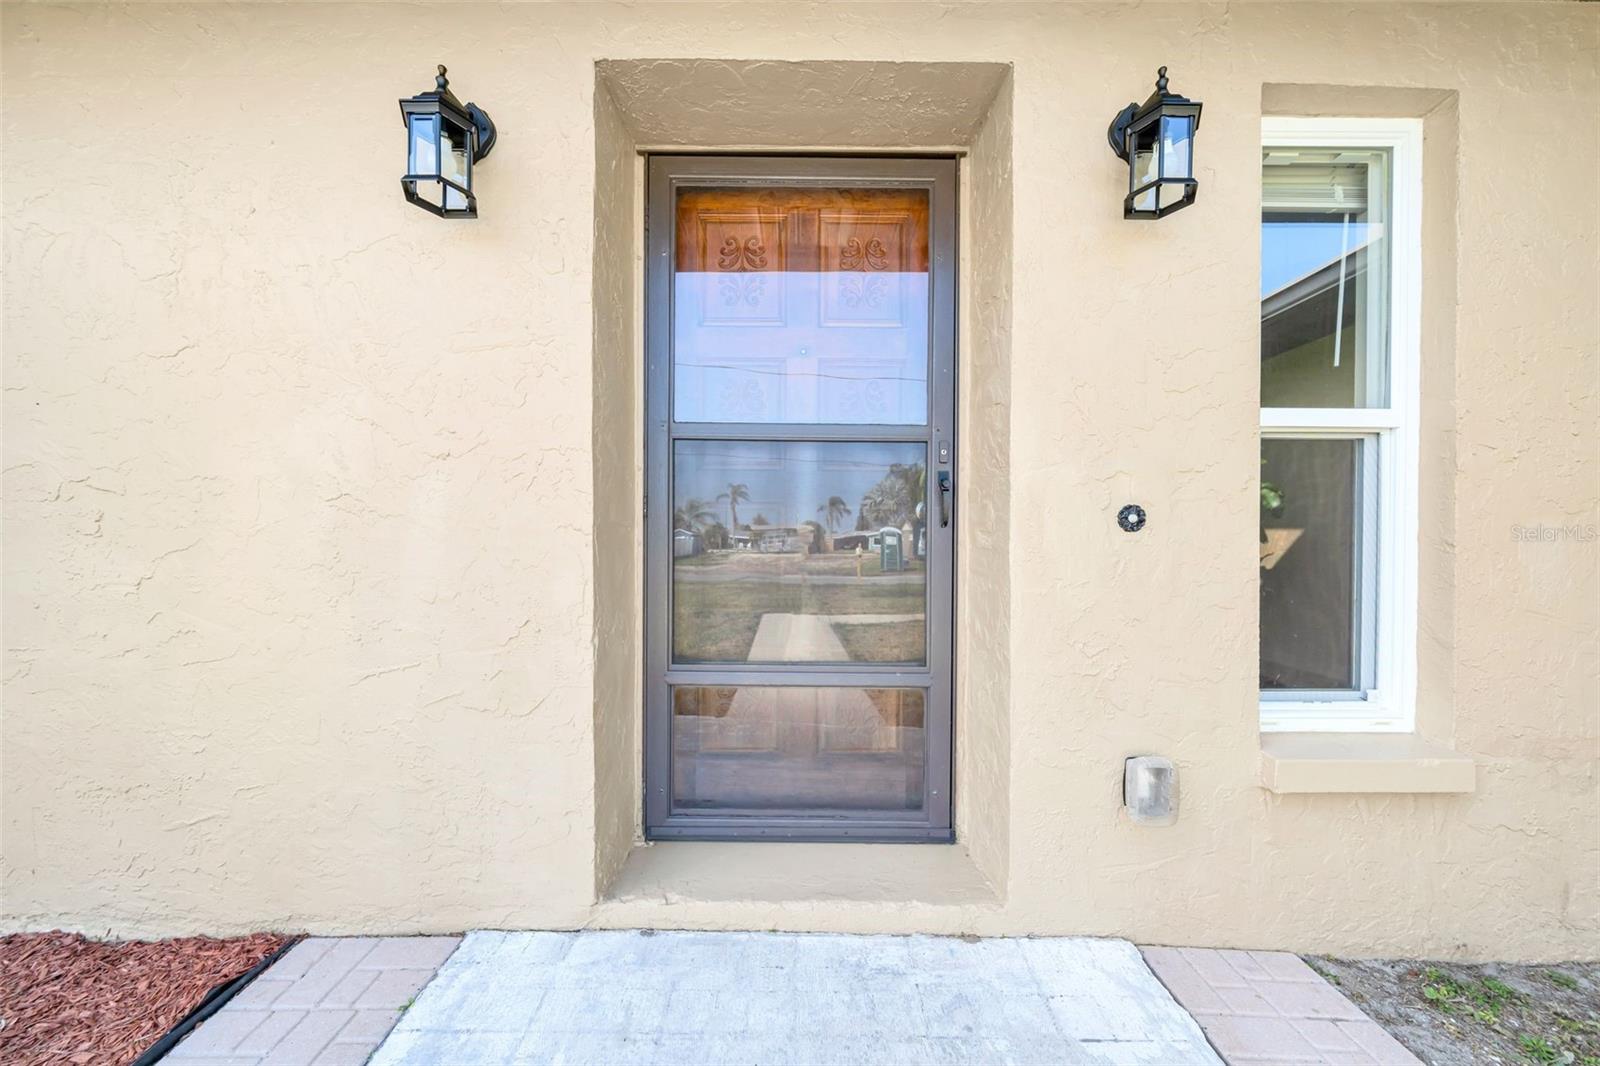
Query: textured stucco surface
(310, 613)
(983, 575)
(617, 396)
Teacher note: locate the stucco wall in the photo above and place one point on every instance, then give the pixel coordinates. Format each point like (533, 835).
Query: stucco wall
(304, 536)
(617, 460)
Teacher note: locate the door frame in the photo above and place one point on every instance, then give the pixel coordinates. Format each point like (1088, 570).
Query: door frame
(933, 824)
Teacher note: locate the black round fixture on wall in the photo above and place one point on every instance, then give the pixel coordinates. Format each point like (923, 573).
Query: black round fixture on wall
(1131, 518)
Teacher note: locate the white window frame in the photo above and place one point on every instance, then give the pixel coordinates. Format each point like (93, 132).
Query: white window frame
(1390, 705)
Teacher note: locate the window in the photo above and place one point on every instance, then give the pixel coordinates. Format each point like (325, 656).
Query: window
(1340, 260)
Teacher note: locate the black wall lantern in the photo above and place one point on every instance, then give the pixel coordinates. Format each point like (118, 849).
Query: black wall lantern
(443, 141)
(1156, 138)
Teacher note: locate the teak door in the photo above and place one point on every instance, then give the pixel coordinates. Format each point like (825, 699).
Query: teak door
(800, 447)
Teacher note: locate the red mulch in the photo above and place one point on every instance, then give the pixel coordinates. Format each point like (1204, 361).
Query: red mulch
(67, 999)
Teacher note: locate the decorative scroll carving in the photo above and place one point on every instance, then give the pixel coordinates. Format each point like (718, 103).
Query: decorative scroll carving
(870, 256)
(744, 399)
(749, 291)
(751, 255)
(863, 293)
(864, 401)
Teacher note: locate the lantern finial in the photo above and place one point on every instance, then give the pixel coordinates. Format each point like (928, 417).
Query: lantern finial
(442, 83)
(1161, 79)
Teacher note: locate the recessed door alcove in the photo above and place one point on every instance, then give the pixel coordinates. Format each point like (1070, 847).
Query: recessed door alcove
(821, 107)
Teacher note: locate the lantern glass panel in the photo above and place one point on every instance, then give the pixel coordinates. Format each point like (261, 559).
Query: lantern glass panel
(1144, 168)
(456, 164)
(1176, 158)
(423, 155)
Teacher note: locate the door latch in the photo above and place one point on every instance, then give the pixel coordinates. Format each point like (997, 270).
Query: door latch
(944, 498)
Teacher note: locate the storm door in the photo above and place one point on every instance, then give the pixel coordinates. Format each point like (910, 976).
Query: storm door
(800, 462)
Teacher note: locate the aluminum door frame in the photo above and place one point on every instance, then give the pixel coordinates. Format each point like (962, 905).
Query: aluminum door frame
(933, 824)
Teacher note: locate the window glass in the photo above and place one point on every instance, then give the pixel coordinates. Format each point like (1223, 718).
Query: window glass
(799, 552)
(1324, 277)
(758, 747)
(1318, 563)
(801, 304)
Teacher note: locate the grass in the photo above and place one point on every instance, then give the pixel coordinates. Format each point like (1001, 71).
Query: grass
(716, 621)
(1483, 1000)
(882, 642)
(1539, 1049)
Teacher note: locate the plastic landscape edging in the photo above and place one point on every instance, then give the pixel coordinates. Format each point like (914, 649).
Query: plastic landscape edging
(215, 1000)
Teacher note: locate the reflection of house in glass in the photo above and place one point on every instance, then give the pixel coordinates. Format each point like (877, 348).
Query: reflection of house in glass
(1324, 271)
(1312, 349)
(687, 542)
(769, 538)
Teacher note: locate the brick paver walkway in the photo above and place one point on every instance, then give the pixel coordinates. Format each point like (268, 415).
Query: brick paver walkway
(328, 1002)
(1269, 1007)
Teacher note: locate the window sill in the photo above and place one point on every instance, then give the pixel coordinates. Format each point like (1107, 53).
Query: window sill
(1361, 762)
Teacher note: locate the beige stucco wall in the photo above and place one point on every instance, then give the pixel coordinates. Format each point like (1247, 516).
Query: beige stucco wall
(319, 534)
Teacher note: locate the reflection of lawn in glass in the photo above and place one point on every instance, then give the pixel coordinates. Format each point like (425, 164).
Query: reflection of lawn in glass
(716, 620)
(882, 642)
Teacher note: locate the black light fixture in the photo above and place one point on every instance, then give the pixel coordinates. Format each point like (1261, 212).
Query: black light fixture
(444, 138)
(1156, 138)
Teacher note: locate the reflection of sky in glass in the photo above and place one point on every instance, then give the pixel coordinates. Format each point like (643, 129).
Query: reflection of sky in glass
(424, 157)
(1175, 147)
(1291, 250)
(787, 482)
(801, 346)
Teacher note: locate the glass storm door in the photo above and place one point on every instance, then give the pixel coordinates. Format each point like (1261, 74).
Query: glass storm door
(800, 471)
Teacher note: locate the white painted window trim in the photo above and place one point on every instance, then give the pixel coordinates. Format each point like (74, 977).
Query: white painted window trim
(1390, 706)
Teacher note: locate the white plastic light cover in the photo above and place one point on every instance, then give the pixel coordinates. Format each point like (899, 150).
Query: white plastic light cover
(1150, 790)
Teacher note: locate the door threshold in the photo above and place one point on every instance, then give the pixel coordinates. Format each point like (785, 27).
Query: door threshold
(784, 873)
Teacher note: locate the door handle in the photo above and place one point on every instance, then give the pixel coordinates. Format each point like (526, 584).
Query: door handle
(944, 498)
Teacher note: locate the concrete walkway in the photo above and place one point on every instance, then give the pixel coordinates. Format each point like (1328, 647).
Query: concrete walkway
(771, 998)
(610, 998)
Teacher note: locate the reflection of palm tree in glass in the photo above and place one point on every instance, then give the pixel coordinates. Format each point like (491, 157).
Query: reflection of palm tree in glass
(834, 512)
(694, 513)
(893, 501)
(737, 493)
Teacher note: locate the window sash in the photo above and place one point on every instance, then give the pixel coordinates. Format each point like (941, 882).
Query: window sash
(1368, 626)
(1389, 705)
(1287, 190)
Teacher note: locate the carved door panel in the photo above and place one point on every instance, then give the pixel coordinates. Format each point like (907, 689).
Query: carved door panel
(802, 305)
(800, 401)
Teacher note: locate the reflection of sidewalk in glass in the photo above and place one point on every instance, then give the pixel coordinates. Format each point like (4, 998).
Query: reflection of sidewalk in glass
(809, 638)
(796, 638)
